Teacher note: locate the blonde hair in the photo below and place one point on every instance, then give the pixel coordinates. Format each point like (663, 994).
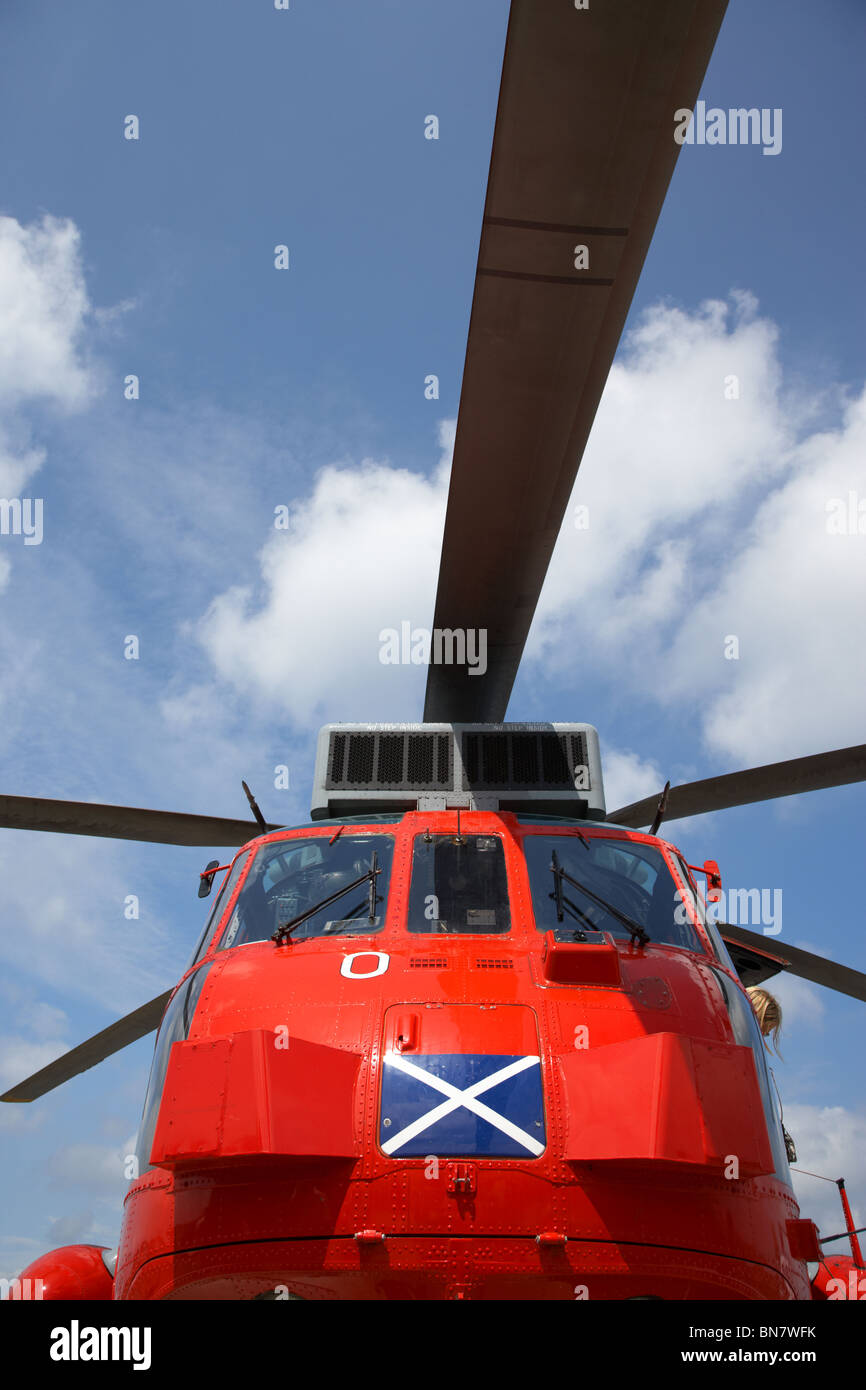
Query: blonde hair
(768, 1012)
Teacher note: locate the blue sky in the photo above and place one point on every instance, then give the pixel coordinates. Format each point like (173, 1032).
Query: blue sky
(305, 388)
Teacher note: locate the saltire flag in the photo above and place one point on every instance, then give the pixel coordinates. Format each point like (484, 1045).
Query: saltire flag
(461, 1104)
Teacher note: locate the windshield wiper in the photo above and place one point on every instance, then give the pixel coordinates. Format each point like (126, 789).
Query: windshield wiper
(563, 903)
(634, 928)
(285, 929)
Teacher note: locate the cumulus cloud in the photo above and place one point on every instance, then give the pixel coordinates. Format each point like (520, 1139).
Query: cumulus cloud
(628, 778)
(794, 597)
(802, 1004)
(706, 484)
(831, 1141)
(361, 555)
(667, 447)
(43, 307)
(43, 313)
(708, 492)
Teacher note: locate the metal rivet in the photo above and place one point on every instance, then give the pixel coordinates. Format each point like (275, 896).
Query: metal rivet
(386, 1123)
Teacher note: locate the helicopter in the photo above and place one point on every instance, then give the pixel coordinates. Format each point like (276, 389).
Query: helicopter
(463, 918)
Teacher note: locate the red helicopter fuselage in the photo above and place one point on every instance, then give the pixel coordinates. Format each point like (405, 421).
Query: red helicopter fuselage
(513, 1112)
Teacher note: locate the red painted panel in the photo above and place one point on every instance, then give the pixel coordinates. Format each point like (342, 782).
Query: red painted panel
(803, 1240)
(425, 1268)
(74, 1272)
(248, 1094)
(669, 1099)
(580, 962)
(507, 1029)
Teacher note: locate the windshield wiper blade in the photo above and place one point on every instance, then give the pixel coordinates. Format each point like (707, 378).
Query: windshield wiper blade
(562, 902)
(374, 870)
(634, 928)
(285, 929)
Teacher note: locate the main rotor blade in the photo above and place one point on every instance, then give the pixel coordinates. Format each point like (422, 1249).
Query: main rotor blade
(773, 956)
(583, 152)
(116, 1036)
(123, 822)
(814, 773)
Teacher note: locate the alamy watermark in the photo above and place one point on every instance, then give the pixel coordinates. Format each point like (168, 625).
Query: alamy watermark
(846, 516)
(22, 1290)
(445, 646)
(22, 516)
(737, 126)
(743, 907)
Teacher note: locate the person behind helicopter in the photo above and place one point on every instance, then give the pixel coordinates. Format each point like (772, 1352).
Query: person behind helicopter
(768, 1012)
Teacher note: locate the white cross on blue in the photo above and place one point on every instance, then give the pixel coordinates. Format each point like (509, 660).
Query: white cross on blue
(509, 1124)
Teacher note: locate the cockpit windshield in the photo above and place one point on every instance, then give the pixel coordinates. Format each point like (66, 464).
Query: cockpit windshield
(459, 885)
(630, 876)
(289, 877)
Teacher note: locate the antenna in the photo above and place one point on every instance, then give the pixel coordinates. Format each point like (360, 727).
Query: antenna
(660, 809)
(262, 823)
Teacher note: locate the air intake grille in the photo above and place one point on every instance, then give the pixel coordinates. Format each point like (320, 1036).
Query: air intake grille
(380, 767)
(500, 761)
(390, 761)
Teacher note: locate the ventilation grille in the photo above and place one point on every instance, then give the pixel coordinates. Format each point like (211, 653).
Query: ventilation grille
(390, 762)
(504, 963)
(501, 761)
(427, 963)
(377, 768)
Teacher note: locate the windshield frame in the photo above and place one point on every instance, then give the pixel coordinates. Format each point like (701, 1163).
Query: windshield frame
(696, 902)
(512, 897)
(302, 836)
(591, 832)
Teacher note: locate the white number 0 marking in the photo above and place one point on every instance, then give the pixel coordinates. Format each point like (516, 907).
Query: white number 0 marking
(382, 962)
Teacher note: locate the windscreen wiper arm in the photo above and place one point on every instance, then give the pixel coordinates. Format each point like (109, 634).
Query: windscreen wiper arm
(634, 928)
(564, 904)
(285, 929)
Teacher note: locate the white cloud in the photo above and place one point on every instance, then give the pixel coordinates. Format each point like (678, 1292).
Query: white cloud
(707, 518)
(361, 555)
(794, 596)
(43, 313)
(18, 461)
(831, 1141)
(94, 1167)
(21, 1057)
(69, 1230)
(43, 307)
(666, 447)
(628, 778)
(802, 1004)
(77, 939)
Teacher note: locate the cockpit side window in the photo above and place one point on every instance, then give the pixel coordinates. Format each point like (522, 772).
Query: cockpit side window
(696, 902)
(174, 1027)
(459, 885)
(223, 898)
(748, 1034)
